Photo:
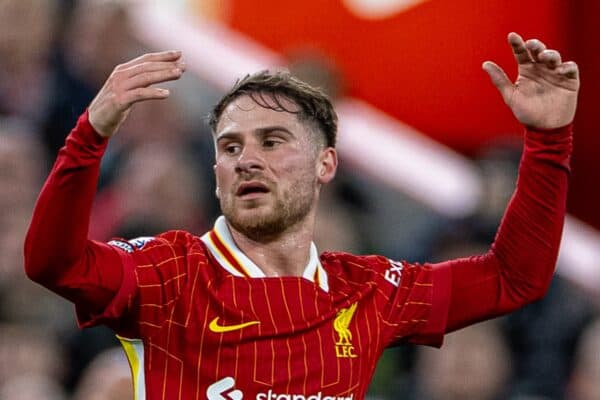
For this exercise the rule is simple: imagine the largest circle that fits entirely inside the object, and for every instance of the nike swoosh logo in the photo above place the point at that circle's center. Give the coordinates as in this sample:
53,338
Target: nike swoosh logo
215,327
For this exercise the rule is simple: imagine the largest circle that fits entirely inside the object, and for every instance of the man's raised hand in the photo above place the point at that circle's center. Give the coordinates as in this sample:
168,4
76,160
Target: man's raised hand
130,83
544,96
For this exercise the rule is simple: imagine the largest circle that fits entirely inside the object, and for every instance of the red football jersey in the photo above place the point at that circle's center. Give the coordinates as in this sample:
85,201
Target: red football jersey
207,322
199,320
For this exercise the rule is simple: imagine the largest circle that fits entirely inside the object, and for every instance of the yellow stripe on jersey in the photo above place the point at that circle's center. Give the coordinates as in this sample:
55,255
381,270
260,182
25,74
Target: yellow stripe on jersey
222,247
134,349
215,242
239,265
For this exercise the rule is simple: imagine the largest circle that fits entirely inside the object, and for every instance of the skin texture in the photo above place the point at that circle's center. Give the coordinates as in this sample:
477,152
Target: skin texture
130,83
274,151
544,95
259,146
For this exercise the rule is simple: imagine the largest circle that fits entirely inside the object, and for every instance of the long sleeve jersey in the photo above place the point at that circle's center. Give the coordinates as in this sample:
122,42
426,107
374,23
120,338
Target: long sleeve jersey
198,319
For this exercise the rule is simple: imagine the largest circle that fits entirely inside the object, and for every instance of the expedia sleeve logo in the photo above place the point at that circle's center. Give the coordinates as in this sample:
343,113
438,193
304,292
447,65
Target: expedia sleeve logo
394,273
343,346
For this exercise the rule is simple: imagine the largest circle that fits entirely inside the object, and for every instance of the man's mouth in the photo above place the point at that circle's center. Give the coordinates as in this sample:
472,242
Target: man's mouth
251,189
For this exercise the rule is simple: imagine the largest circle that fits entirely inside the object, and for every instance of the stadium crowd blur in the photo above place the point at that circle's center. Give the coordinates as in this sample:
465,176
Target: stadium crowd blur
54,55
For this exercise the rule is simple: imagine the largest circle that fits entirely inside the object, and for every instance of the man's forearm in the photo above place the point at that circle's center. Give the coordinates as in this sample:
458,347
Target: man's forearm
532,226
520,265
56,242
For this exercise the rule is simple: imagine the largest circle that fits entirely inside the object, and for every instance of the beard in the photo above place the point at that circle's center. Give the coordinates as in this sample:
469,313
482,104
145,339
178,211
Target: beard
287,210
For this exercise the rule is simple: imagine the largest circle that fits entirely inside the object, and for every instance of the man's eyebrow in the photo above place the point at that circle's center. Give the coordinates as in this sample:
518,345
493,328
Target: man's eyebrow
258,131
227,135
269,129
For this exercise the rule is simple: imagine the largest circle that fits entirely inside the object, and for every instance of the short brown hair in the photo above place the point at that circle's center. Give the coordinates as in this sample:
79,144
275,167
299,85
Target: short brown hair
315,105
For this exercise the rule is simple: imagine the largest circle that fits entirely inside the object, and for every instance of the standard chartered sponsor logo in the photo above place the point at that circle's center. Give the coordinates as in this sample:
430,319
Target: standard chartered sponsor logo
319,396
224,390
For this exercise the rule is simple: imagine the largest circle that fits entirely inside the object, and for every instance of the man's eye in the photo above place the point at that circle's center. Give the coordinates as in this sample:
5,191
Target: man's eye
271,142
232,148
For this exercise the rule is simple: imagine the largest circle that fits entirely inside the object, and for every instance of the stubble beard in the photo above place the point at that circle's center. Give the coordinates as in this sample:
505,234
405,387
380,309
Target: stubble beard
291,208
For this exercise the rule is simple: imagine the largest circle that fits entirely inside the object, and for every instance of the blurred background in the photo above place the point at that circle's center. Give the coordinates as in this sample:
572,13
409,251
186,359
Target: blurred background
429,157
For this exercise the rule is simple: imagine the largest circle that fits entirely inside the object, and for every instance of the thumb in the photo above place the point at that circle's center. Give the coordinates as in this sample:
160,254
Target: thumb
499,79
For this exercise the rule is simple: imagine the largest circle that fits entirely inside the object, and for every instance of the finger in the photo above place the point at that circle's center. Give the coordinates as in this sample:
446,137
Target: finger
152,66
519,50
142,94
170,55
551,58
150,78
499,79
535,47
568,69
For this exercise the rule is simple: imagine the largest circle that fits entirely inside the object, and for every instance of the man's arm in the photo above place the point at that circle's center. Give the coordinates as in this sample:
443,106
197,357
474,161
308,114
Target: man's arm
520,264
58,254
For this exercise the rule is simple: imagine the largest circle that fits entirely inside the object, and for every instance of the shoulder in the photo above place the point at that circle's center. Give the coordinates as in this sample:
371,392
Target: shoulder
359,262
365,268
377,269
351,262
166,256
171,241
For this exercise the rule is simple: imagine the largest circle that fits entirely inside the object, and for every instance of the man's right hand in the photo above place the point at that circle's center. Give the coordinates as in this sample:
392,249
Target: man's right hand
130,83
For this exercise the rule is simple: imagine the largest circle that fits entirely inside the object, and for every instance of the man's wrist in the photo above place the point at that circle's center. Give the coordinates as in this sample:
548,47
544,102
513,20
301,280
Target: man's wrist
85,136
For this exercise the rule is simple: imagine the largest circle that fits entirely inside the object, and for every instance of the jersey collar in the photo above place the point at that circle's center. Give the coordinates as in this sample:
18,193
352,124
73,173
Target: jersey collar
222,247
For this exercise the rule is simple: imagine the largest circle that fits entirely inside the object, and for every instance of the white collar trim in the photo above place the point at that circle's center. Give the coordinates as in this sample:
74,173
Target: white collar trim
221,245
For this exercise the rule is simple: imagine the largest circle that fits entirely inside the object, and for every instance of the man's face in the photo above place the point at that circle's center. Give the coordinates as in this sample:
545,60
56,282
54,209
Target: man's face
268,167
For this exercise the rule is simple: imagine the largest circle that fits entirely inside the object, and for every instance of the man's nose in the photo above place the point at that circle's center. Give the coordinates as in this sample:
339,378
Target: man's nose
250,159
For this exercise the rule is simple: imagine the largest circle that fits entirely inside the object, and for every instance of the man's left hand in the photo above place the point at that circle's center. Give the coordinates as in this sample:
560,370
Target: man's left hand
544,96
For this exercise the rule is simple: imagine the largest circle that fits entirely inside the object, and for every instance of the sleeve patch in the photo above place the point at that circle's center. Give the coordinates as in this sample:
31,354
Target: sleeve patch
394,273
122,245
140,242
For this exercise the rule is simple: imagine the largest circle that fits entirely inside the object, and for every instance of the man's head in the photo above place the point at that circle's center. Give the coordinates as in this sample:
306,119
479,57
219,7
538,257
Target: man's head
274,139
313,106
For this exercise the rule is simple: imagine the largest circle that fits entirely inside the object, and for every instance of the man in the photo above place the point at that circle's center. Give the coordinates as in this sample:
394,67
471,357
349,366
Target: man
249,310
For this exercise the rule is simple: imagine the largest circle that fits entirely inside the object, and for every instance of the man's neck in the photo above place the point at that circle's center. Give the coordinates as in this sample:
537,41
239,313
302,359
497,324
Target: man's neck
285,255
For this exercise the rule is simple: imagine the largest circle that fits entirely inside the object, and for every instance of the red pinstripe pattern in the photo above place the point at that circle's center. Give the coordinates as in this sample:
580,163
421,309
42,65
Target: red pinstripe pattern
293,348
167,290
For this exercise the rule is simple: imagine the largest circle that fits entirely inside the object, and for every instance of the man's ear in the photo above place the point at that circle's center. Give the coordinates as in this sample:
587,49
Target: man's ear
326,165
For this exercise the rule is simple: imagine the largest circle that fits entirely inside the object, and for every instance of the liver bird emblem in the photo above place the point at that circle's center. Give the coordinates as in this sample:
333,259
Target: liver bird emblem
341,323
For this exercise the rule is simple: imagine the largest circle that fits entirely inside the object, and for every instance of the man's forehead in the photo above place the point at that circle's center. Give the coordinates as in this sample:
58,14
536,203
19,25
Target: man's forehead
260,109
